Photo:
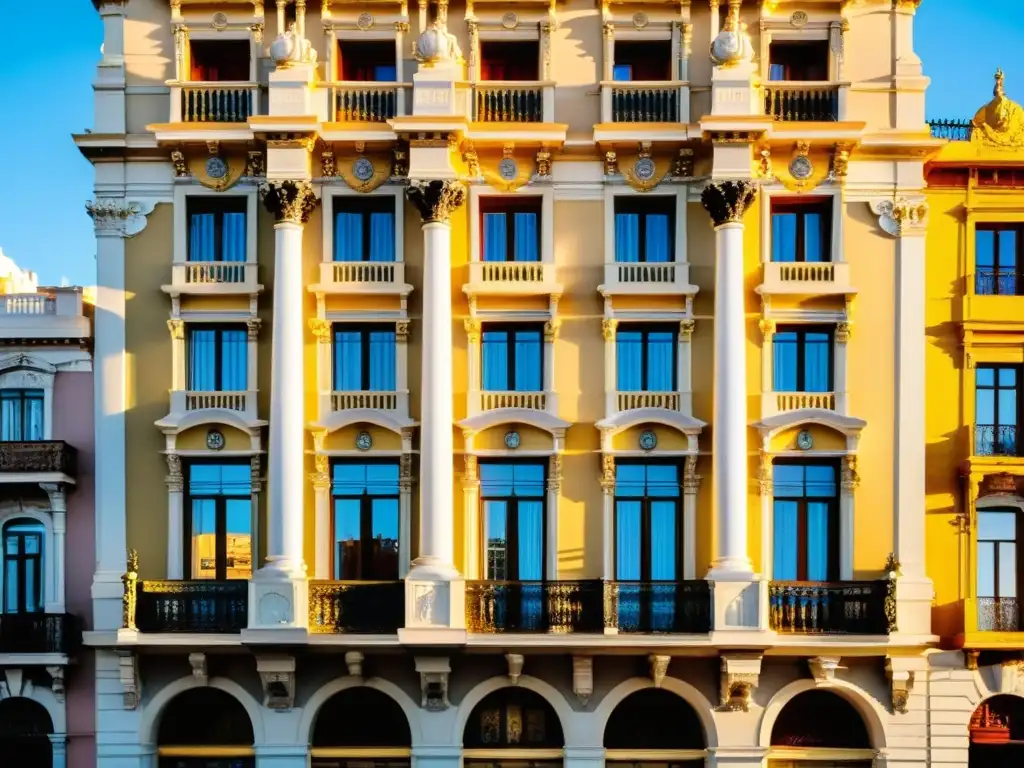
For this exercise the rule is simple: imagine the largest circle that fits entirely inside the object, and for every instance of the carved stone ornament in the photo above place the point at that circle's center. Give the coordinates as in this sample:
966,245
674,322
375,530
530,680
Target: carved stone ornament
543,163
118,217
433,672
321,329
327,167
1000,123
659,668
611,163
728,201
354,663
128,676
57,682
199,669
902,682
583,678
175,479
289,49
682,168
289,201
515,667
823,668
741,674
436,200
277,676
255,168
178,161
555,473
608,326
608,473
898,218
999,483
971,660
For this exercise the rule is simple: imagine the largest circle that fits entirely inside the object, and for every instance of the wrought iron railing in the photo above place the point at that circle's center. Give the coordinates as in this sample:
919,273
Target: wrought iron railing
217,102
38,456
534,606
508,103
840,607
652,607
998,614
361,103
356,607
953,130
39,633
991,282
996,440
192,606
632,104
802,102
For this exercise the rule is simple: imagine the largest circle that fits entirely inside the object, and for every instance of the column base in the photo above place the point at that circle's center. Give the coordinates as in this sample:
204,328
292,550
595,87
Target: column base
731,569
278,600
107,600
739,605
435,605
914,596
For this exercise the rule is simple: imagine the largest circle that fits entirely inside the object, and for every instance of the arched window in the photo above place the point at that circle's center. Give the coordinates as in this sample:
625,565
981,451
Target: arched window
23,566
997,733
513,721
361,728
205,728
658,723
818,722
25,726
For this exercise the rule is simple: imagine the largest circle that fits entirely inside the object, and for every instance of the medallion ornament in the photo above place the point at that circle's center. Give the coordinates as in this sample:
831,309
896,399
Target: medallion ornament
291,201
436,200
728,201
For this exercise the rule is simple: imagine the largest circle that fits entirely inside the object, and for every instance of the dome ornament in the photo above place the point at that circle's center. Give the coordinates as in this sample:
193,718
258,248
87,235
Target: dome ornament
1000,123
290,48
732,46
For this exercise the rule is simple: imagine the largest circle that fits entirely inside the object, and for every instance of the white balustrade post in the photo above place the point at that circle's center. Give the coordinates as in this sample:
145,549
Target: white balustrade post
175,517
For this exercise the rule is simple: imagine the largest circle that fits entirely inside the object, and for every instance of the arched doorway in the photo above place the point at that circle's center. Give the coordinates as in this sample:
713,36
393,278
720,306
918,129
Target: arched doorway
513,728
658,725
997,733
820,729
25,728
205,728
361,728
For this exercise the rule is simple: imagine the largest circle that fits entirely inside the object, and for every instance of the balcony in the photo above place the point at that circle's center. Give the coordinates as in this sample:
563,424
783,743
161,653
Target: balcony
213,277
192,606
186,401
51,633
366,277
951,130
364,102
214,102
55,313
511,278
396,403
40,457
774,403
806,278
998,614
494,401
682,607
513,101
356,607
996,440
992,296
646,278
841,607
630,401
641,102
991,623
804,101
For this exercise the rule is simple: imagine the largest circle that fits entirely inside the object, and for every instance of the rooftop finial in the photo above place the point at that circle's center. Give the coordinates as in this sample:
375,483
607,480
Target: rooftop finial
1000,77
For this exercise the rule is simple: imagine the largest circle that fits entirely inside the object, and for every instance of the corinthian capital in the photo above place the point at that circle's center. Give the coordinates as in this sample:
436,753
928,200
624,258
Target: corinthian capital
117,217
436,200
727,201
291,201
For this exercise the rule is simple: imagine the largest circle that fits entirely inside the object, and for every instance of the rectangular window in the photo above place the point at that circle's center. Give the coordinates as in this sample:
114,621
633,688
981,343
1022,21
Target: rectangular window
512,497
798,61
802,359
510,61
366,520
21,414
645,358
219,60
364,358
512,358
647,530
647,61
997,260
218,359
806,527
996,409
219,522
511,229
216,228
998,579
644,229
364,228
367,61
23,566
801,230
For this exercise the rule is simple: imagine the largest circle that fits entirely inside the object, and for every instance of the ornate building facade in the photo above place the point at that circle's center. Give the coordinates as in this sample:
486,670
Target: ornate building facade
510,381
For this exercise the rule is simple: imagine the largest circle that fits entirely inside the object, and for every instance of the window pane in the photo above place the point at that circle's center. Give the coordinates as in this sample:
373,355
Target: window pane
531,541
622,73
527,238
627,237
202,360
1007,569
239,538
384,535
1007,248
233,366
34,416
783,237
11,582
784,534
820,480
985,377
788,480
528,361
627,540
1007,407
495,237
657,243
817,362
220,480
382,361
347,539
382,236
661,361
813,247
630,479
204,539
1007,377
494,361
817,541
382,479
496,480
986,570
497,539
663,541
348,479
997,525
348,236
202,235
662,480
233,238
528,479
985,406
348,360
985,248
784,361
628,360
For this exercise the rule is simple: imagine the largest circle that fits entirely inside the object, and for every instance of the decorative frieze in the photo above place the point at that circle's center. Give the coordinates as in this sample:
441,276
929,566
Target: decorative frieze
117,217
659,668
583,678
175,478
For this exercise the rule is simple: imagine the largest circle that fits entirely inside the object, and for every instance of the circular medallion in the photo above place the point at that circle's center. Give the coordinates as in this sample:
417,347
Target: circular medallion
801,167
216,168
362,169
363,441
799,19
365,20
648,440
214,440
508,169
509,20
220,21
640,20
804,440
511,440
643,169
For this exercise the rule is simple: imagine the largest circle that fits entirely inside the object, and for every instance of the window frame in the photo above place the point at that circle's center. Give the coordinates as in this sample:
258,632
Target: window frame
996,272
24,560
646,328
364,329
1016,541
509,206
218,328
365,206
394,193
512,539
23,398
545,226
510,352
365,516
801,207
220,521
218,206
644,207
184,193
802,330
995,388
645,520
835,536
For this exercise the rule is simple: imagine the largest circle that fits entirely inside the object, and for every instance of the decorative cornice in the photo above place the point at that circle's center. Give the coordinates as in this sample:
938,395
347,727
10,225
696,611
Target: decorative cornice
436,200
289,201
727,201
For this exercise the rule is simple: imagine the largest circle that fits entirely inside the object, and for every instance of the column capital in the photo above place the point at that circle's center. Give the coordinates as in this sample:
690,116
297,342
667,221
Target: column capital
608,474
436,200
727,201
555,472
57,496
175,478
608,326
116,217
289,201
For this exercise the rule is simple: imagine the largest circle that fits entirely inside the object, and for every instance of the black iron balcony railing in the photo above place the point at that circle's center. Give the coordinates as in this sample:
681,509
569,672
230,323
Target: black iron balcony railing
998,614
366,104
192,606
953,130
645,105
678,607
802,102
216,103
992,282
996,440
356,607
39,633
839,607
507,103
38,456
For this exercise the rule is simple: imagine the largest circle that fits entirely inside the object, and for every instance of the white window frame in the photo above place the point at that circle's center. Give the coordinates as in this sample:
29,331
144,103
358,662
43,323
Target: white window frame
782,31
333,191
19,371
196,33
611,192
776,191
51,570
182,194
547,218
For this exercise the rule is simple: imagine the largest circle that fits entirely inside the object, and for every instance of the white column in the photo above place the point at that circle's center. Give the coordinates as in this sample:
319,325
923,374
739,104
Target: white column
608,515
842,337
321,480
608,327
55,588
177,328
727,201
175,517
554,490
252,371
551,392
850,481
766,485
323,332
609,50
402,365
405,507
471,505
59,749
691,484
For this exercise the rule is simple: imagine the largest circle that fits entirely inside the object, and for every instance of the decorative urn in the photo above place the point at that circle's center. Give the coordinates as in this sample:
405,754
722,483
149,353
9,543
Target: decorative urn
432,44
283,49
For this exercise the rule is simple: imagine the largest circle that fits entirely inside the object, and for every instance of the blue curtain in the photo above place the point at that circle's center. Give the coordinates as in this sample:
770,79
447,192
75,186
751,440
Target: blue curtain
817,541
348,361
233,361
627,540
663,541
784,237
202,360
21,414
658,245
526,237
784,361
531,540
817,362
382,361
813,250
627,237
494,361
528,361
348,237
382,237
495,237
661,361
628,360
784,535
202,245
233,239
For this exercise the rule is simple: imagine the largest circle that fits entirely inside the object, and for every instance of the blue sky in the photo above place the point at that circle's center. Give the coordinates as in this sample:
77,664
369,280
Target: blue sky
43,225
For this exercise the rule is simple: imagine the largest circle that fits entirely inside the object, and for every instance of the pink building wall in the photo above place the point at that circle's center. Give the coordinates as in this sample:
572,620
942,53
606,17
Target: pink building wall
73,423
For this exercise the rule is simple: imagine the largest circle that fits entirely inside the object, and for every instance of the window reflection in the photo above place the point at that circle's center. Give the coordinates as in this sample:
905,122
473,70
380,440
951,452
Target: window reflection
366,520
512,495
806,529
220,521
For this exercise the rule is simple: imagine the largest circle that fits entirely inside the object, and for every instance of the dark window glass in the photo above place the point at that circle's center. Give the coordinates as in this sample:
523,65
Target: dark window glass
364,228
513,61
645,358
512,497
219,61
997,259
218,359
216,229
513,718
364,358
801,231
802,359
645,229
647,61
219,523
996,409
23,566
362,61
647,531
512,358
366,520
803,61
21,414
806,531
511,229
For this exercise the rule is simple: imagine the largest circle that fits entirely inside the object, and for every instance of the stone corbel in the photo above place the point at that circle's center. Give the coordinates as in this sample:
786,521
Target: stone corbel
583,677
433,672
823,669
277,675
354,663
899,217
659,668
128,675
902,681
741,673
515,667
57,495
15,684
199,671
56,682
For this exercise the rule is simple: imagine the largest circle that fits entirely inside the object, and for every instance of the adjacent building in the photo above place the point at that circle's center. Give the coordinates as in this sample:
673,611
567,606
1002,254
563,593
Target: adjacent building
494,382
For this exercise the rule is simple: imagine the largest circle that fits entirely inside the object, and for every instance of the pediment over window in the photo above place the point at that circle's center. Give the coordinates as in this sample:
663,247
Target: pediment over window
23,362
846,428
627,419
172,425
539,419
346,418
